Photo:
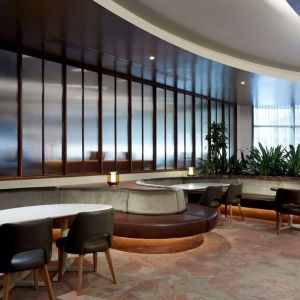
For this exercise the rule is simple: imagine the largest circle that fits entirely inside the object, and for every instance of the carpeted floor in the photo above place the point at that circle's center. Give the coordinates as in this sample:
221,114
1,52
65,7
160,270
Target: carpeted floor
242,260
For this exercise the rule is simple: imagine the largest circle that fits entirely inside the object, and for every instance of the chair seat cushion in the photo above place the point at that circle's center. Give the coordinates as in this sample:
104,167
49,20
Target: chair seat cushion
292,209
232,201
92,245
30,259
214,204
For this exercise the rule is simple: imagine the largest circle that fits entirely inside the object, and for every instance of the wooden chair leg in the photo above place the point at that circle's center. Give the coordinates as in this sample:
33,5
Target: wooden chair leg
60,263
95,261
36,278
108,258
80,270
230,212
241,211
225,210
48,282
278,221
6,286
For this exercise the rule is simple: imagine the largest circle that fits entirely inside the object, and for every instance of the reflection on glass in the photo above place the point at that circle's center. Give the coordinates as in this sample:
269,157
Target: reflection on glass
122,119
170,130
188,130
180,131
227,124
148,127
74,120
53,90
204,128
108,117
213,111
219,112
32,115
91,120
198,126
160,128
8,114
136,122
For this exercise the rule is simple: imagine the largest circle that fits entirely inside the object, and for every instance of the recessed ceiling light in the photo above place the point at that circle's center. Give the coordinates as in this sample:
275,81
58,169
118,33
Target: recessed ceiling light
243,82
151,57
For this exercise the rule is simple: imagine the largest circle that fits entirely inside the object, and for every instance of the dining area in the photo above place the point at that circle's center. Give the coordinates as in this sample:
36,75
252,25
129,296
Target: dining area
26,235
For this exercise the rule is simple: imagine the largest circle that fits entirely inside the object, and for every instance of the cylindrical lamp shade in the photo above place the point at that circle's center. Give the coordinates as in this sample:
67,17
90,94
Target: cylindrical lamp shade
191,171
113,178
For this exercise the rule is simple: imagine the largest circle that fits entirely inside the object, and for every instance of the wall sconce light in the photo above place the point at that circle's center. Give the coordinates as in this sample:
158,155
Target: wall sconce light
113,178
191,171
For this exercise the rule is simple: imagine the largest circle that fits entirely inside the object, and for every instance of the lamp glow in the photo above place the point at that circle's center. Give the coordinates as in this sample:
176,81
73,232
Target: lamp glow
191,171
113,178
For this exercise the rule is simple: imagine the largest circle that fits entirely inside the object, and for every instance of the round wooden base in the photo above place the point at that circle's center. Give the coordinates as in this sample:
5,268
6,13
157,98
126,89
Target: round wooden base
157,246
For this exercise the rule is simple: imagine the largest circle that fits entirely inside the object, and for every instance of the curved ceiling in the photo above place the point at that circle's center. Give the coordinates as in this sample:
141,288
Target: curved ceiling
257,36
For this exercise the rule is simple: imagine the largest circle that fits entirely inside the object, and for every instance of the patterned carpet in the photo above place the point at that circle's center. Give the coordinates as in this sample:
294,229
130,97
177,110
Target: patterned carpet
242,260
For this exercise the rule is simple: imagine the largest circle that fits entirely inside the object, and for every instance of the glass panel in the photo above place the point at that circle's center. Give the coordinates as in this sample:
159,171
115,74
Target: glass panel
219,112
188,130
204,128
148,127
213,112
8,114
198,126
231,129
122,119
53,91
74,120
227,124
268,136
180,131
91,120
170,130
136,122
160,128
108,117
32,115
297,136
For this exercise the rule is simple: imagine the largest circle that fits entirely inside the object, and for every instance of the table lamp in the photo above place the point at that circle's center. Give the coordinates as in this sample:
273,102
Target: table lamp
191,171
113,178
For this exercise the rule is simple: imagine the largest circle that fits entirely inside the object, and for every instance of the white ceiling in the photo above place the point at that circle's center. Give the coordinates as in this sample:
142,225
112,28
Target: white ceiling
255,35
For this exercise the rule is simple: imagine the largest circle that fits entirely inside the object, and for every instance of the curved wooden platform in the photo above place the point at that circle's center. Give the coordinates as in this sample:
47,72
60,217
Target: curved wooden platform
163,233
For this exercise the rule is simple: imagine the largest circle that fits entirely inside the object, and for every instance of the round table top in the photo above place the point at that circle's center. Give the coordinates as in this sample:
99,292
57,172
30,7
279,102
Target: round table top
53,211
198,185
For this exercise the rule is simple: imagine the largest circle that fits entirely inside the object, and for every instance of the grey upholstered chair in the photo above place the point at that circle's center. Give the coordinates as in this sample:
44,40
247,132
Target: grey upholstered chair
212,197
287,202
90,232
233,196
26,246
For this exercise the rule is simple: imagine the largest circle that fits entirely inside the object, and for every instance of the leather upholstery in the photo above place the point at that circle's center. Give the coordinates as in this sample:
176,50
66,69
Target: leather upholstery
211,197
233,194
288,201
25,245
90,232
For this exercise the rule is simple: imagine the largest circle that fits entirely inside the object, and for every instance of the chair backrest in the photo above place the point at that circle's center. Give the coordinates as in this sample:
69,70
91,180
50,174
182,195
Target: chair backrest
211,193
90,225
234,191
25,236
285,196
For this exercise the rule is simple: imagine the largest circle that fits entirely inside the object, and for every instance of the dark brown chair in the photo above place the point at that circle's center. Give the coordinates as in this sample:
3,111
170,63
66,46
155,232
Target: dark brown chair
212,197
287,202
26,246
90,232
231,197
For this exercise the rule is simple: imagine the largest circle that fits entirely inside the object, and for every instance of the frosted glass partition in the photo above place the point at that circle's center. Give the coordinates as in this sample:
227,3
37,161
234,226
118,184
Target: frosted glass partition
188,131
219,112
148,127
160,129
136,121
180,132
8,114
91,122
204,128
122,119
170,143
198,129
74,120
53,116
108,117
213,111
32,116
